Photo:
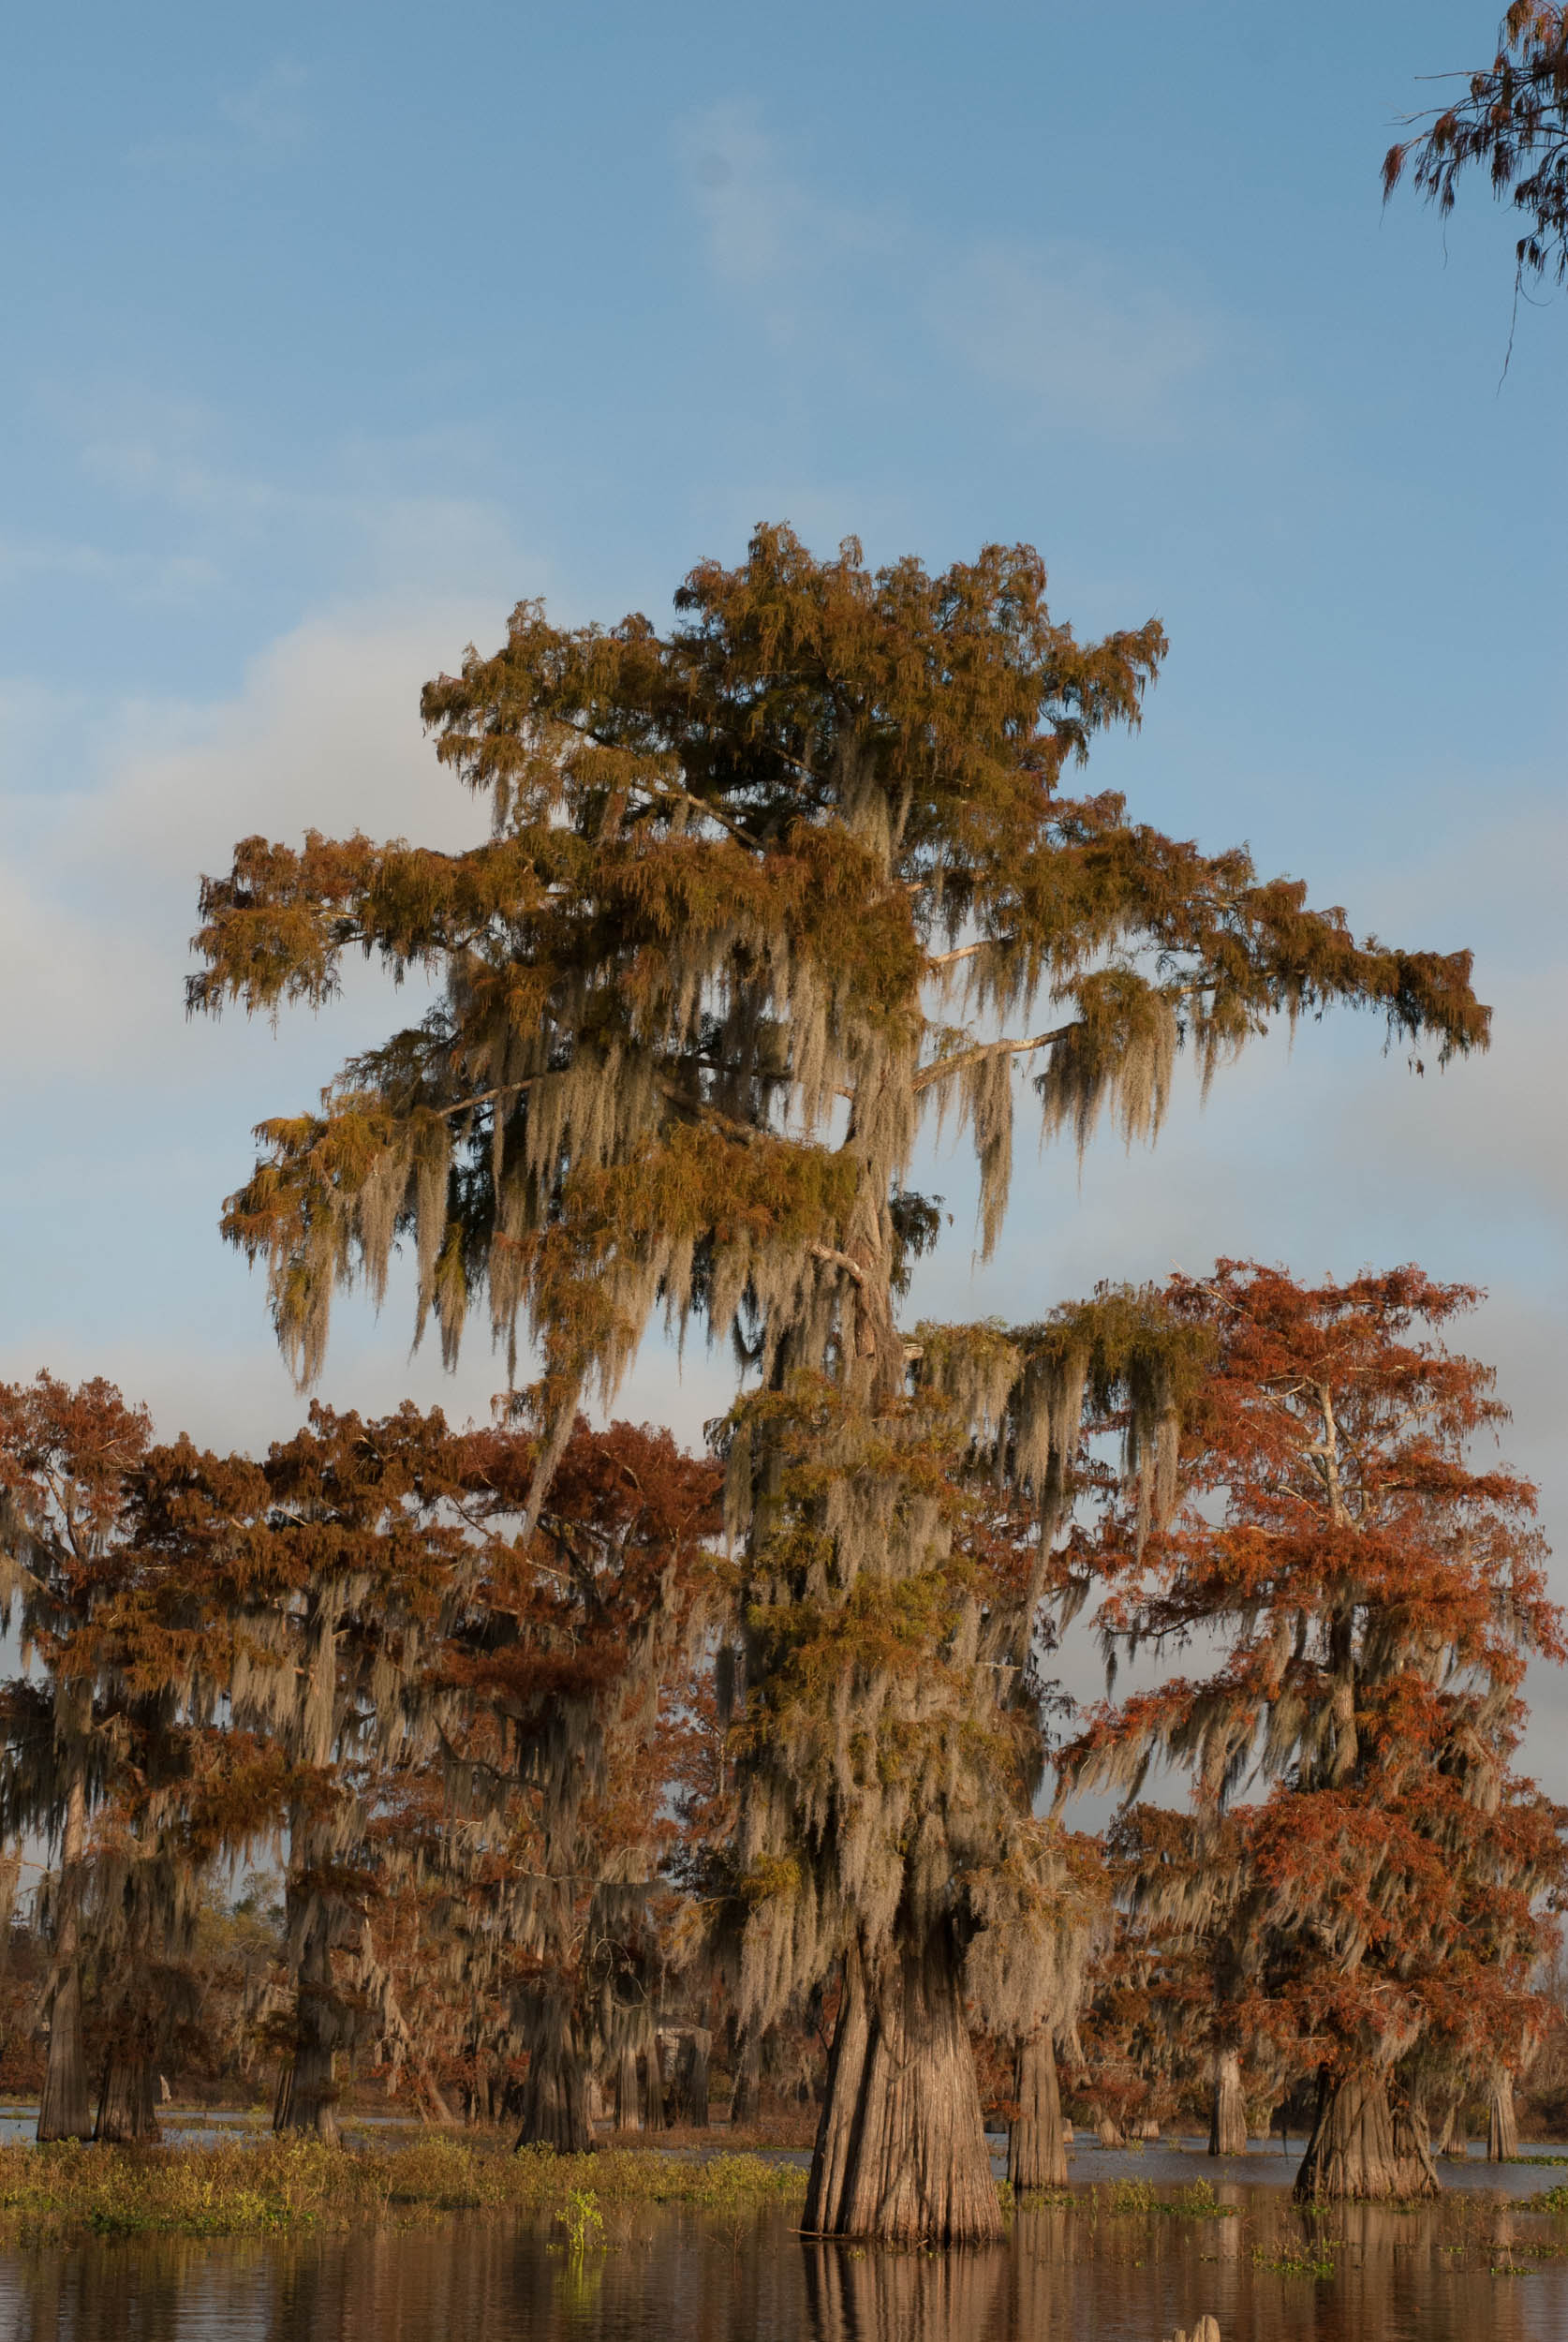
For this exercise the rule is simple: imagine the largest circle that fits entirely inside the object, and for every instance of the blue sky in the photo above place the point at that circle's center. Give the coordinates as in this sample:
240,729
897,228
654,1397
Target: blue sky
334,330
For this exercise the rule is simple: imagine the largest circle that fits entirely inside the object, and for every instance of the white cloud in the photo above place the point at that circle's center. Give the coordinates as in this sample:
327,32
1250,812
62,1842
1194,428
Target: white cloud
97,887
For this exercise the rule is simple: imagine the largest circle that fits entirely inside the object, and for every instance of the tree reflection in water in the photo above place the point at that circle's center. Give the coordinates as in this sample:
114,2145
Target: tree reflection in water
1274,2272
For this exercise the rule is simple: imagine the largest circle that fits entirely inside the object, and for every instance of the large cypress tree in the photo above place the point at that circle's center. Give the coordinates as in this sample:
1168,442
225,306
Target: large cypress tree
761,894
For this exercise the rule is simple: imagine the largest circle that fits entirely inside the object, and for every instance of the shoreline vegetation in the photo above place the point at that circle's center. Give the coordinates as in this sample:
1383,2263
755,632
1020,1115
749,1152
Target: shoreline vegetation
293,2183
294,2187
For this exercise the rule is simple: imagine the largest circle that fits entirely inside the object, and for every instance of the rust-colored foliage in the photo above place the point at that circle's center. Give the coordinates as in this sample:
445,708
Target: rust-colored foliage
322,1652
1375,1594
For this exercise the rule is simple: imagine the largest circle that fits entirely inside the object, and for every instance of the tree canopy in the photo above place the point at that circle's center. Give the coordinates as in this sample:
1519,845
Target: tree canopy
1374,1595
760,895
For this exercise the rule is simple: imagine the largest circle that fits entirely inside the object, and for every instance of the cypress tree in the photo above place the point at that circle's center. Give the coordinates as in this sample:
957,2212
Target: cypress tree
762,894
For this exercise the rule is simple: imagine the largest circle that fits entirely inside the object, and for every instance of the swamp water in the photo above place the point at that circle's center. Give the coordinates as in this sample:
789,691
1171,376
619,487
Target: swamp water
1116,2267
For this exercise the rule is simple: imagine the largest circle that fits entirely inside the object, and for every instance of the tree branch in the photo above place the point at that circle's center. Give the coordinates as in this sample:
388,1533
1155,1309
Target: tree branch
839,1260
945,1065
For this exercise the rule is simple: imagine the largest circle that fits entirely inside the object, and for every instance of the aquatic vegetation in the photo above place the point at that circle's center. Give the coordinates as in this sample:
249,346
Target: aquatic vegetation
300,2184
1293,2264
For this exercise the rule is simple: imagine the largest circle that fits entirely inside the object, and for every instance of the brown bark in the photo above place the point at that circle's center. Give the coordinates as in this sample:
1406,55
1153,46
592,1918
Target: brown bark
128,2100
690,2085
747,2083
1227,2121
901,2152
654,2116
1502,2131
64,2110
1362,2147
629,2092
308,2094
1036,2150
555,2093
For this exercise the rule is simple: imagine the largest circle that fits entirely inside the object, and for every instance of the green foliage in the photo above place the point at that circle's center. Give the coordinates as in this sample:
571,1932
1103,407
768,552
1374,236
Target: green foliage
583,2221
1126,2198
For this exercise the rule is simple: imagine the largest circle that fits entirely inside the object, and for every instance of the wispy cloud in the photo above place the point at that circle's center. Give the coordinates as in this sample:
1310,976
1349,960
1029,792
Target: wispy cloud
267,122
1059,331
1055,327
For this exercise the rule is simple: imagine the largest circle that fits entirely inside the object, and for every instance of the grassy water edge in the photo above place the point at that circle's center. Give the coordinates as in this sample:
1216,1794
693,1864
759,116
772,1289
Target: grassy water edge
298,2186
278,2185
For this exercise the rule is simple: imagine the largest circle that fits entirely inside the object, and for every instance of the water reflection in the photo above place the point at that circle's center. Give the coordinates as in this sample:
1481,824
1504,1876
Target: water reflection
1271,2274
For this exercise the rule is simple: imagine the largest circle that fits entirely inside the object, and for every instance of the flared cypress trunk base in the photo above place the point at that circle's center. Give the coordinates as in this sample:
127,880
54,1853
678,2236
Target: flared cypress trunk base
901,2153
1502,2129
1227,2124
308,2094
1363,2148
128,2100
64,2111
556,2102
1036,2149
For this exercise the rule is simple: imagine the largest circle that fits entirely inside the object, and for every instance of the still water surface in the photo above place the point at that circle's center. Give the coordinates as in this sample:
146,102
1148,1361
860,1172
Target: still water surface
1461,2270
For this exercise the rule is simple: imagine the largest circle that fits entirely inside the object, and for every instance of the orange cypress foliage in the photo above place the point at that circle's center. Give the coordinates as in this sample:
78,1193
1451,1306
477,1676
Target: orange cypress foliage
1377,1597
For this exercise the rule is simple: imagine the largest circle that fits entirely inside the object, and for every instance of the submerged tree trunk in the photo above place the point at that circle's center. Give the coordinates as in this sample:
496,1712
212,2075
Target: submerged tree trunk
901,2152
1502,2131
1363,2147
1036,2150
64,2111
555,2093
1227,2121
129,2099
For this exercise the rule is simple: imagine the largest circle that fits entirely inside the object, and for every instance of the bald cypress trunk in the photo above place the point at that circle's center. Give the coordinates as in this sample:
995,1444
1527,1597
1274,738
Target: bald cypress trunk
629,2092
64,2111
307,2098
690,2087
653,2087
555,2093
1363,2147
1036,2149
901,2152
1502,2131
127,2098
745,2085
1227,2123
